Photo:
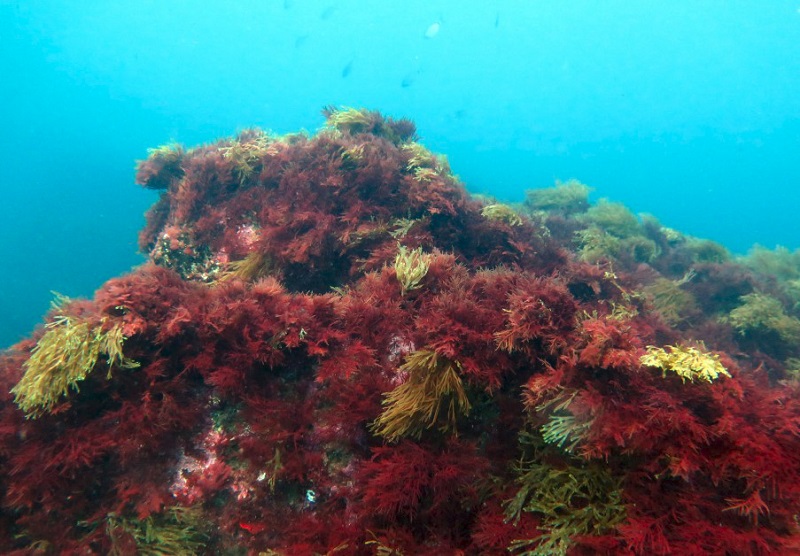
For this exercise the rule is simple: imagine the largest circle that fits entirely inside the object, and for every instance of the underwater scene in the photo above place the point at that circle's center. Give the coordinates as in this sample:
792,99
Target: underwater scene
409,278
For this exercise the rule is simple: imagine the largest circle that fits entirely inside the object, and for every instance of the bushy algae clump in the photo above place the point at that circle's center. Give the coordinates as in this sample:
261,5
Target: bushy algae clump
571,197
67,352
572,502
502,213
759,312
689,363
432,388
341,351
411,266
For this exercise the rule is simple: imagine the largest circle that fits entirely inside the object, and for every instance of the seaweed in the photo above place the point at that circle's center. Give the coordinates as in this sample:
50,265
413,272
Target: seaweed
762,313
568,198
572,501
411,267
674,304
613,218
687,362
432,384
341,351
69,350
501,213
162,167
175,531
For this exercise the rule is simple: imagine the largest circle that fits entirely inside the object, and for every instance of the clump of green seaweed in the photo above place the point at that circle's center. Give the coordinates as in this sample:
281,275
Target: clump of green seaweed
176,531
567,198
572,500
68,351
760,313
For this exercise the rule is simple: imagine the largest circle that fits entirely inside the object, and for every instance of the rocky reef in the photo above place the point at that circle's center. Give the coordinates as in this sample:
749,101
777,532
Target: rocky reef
335,349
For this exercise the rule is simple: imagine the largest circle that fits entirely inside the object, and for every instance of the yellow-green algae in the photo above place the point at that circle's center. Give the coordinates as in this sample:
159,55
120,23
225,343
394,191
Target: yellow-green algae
501,213
174,532
571,500
568,197
247,151
69,350
411,266
671,302
562,429
433,384
759,312
687,362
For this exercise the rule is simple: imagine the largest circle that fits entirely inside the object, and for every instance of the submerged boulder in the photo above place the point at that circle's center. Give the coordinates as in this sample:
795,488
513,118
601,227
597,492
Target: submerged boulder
335,349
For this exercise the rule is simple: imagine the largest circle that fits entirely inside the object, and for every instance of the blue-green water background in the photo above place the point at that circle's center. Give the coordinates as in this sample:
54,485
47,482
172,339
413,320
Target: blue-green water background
689,110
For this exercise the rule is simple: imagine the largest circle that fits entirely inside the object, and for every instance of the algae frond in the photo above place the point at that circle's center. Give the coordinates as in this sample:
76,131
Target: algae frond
670,301
562,429
411,267
418,156
69,350
596,245
501,213
349,120
760,312
352,157
425,175
401,227
707,251
246,153
352,121
254,266
613,218
164,166
173,532
433,383
379,547
793,368
571,501
779,262
423,164
687,362
567,198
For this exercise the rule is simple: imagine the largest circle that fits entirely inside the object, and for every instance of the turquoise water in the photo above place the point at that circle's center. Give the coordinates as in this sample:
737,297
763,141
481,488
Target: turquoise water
688,110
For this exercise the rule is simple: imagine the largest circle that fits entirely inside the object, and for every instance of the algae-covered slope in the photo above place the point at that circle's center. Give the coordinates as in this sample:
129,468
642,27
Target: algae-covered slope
334,349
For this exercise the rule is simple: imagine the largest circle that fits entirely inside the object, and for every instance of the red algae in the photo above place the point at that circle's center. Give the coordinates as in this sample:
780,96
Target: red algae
334,349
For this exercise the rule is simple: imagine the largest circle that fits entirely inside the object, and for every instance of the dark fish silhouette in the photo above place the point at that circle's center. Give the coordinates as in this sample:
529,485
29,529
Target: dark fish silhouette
347,69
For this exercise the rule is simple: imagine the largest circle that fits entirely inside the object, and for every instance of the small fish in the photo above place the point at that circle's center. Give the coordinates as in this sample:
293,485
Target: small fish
433,30
347,69
408,80
497,20
300,41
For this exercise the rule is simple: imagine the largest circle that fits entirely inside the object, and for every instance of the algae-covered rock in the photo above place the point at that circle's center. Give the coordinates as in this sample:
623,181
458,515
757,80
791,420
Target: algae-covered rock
339,350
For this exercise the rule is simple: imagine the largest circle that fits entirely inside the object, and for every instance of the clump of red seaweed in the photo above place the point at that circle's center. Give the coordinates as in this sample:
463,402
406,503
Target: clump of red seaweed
334,349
